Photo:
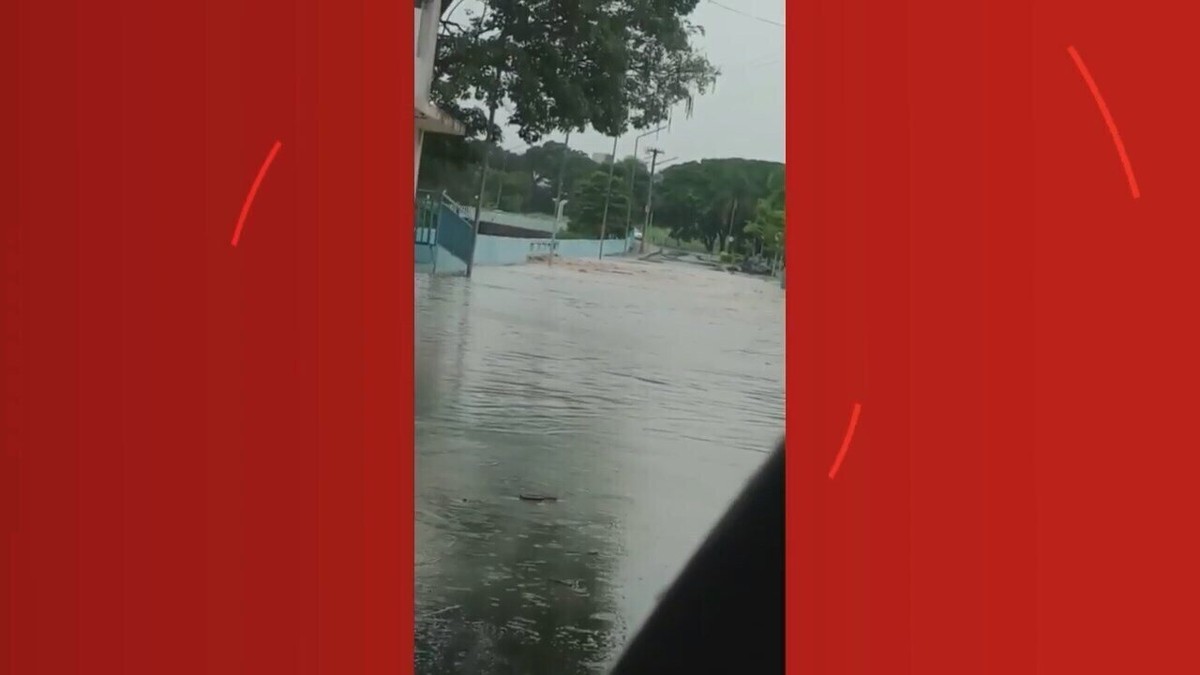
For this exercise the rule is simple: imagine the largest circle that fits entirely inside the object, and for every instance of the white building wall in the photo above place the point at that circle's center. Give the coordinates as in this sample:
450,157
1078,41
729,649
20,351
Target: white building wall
426,116
425,28
426,21
418,140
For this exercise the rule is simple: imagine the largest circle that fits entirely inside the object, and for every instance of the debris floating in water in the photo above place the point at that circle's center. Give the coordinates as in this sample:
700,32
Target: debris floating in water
537,498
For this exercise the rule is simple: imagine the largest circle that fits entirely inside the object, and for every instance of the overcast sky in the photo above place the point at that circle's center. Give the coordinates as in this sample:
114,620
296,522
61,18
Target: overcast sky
744,115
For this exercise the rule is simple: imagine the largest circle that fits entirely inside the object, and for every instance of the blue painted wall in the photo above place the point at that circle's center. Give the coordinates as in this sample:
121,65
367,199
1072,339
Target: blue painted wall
423,254
590,248
493,251
448,263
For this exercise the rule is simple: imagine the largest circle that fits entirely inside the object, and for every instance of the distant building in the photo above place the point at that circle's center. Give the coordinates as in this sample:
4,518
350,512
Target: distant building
601,157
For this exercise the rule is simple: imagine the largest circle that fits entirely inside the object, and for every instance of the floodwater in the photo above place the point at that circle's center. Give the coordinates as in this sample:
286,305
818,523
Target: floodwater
640,396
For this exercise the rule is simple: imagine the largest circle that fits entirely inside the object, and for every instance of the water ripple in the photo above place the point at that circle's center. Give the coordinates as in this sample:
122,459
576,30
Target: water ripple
639,400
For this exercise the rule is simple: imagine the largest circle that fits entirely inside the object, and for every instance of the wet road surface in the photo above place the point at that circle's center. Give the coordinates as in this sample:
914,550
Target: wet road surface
638,396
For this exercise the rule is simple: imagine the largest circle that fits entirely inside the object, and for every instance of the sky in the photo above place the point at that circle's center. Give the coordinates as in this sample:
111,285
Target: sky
743,116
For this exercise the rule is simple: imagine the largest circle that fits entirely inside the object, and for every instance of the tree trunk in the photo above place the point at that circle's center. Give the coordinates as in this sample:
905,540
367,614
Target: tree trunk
728,237
487,155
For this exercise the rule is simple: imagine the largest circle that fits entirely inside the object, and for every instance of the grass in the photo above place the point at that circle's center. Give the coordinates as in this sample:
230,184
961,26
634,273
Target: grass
660,236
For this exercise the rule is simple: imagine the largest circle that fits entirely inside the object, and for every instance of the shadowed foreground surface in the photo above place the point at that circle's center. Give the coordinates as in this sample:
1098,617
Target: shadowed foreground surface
639,396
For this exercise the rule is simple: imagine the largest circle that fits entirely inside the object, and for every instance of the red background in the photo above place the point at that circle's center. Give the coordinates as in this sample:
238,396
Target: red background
206,462
967,261
207,449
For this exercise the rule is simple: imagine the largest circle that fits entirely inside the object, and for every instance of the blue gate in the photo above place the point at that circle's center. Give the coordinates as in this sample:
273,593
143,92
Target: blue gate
441,224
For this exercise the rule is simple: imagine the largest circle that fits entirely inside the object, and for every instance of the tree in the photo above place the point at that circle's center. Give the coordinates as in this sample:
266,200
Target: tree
543,163
525,181
568,65
586,208
684,204
712,200
635,176
767,227
706,201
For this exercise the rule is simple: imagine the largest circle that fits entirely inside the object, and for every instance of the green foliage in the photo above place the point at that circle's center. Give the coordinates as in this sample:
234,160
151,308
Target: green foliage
569,65
662,237
767,226
586,207
559,66
528,182
712,200
544,163
696,204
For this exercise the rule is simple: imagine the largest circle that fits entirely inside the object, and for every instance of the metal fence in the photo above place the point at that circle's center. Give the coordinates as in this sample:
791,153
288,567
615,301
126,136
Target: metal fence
454,233
426,218
440,222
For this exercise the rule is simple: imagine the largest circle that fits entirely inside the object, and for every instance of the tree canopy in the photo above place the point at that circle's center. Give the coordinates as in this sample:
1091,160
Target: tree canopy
586,207
713,200
568,65
767,224
517,182
707,201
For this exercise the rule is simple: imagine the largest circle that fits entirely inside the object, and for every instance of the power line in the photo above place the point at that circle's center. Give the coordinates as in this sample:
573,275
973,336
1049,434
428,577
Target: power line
747,15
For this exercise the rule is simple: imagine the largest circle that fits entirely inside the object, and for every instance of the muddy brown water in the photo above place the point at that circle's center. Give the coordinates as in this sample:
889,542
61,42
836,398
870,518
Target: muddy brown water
631,399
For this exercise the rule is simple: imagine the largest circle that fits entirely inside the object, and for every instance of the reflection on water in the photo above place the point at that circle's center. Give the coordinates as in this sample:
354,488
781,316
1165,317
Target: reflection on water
638,396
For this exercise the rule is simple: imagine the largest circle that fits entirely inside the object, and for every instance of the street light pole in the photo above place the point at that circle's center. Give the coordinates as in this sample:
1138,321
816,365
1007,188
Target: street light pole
632,177
612,165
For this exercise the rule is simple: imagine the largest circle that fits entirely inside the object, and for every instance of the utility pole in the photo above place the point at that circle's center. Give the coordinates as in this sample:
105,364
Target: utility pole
650,222
612,165
654,153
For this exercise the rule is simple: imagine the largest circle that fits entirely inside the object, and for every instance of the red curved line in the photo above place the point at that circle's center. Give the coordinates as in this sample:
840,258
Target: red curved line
837,463
1108,119
262,171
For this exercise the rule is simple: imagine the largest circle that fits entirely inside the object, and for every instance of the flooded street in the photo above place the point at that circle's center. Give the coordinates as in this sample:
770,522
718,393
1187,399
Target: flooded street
635,397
